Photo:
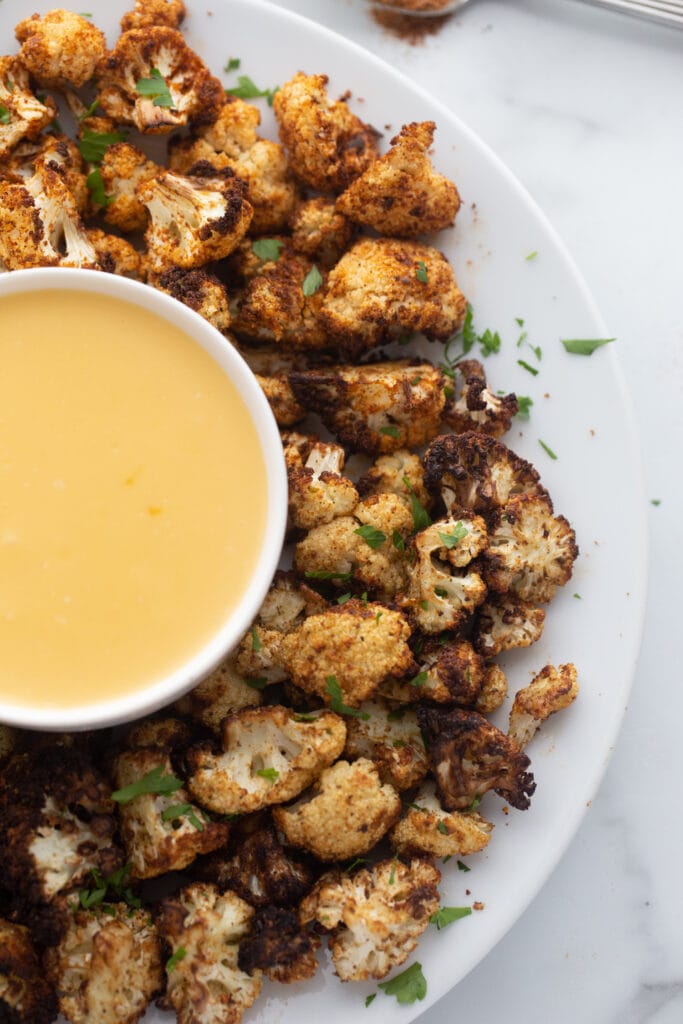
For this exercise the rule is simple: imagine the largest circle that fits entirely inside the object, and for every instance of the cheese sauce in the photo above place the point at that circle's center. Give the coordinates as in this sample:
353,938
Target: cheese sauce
132,498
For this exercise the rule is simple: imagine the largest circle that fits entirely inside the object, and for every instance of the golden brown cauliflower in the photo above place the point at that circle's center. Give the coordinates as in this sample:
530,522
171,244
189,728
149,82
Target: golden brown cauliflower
398,473
476,407
375,916
450,672
281,399
318,491
401,195
494,691
154,12
123,168
197,289
268,755
346,812
107,966
204,929
551,690
377,408
390,737
319,231
427,830
503,622
171,733
192,220
26,115
152,79
383,287
26,997
221,694
115,255
161,831
59,153
60,48
328,146
279,946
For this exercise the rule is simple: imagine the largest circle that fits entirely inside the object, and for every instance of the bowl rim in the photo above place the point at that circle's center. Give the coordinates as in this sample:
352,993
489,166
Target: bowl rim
160,692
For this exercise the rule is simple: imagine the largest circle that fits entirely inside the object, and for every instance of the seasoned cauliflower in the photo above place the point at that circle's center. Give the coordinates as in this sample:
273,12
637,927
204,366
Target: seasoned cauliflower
59,153
477,407
398,473
279,946
26,115
268,755
391,738
161,831
401,195
154,12
197,289
123,168
375,916
450,672
493,692
288,602
152,79
531,552
318,492
344,815
60,48
281,399
375,408
427,830
354,646
26,997
383,287
114,254
503,622
328,146
107,966
319,231
204,983
170,733
551,690
221,694
469,756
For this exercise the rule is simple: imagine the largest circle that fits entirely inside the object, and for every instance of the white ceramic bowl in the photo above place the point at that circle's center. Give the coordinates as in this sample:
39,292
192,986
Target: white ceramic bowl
162,691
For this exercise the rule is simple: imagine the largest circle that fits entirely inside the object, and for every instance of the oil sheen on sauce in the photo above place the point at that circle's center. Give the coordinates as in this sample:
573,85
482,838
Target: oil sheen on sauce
132,498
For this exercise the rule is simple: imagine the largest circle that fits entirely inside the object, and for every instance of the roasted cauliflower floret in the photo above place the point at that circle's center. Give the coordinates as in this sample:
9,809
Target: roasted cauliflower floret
477,407
170,733
26,115
443,587
399,473
154,12
375,916
347,811
390,737
204,983
493,692
197,289
221,694
26,997
531,552
401,195
551,690
427,830
353,647
192,220
161,831
123,168
469,756
260,658
152,79
279,946
328,146
477,472
281,399
268,755
260,870
60,48
504,622
114,254
60,154
319,231
383,287
288,602
450,672
107,966
377,408
318,491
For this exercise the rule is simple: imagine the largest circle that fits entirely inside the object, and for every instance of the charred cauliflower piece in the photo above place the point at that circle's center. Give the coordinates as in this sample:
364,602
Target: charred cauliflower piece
221,694
428,830
450,672
401,195
390,737
170,733
469,756
114,254
493,692
504,622
161,831
377,408
477,407
531,552
353,645
60,154
551,690
399,473
268,755
26,115
383,287
25,995
319,231
477,472
60,48
192,220
260,870
375,916
328,146
205,929
153,80
347,811
279,946
107,967
281,399
318,492
197,289
444,588
154,12
123,168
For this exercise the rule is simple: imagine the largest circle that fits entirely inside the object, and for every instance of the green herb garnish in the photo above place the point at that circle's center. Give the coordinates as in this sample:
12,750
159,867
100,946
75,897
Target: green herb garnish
524,404
174,960
390,430
269,773
369,999
420,679
323,574
462,866
93,145
312,282
547,449
373,538
421,517
407,986
531,256
398,541
4,114
259,683
96,188
446,915
452,539
443,828
177,811
267,248
584,346
155,782
528,367
233,64
247,90
156,89
256,644
421,272
337,701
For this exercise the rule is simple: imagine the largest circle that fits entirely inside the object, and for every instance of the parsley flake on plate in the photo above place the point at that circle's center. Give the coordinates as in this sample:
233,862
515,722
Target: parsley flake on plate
584,346
408,986
446,915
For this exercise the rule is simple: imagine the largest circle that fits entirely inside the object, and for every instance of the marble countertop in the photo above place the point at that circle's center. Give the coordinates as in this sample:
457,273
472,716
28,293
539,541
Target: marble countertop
585,106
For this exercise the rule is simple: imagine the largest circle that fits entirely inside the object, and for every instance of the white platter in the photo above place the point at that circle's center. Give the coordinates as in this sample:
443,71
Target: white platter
580,410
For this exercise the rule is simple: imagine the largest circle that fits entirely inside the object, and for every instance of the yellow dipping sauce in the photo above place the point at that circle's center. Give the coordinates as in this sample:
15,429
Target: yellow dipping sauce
132,498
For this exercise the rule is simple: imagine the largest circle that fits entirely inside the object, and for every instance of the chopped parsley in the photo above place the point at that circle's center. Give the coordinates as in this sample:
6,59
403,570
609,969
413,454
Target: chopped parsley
93,145
489,342
307,716
256,644
531,256
524,404
355,864
421,517
337,701
323,574
392,873
577,596
155,782
421,272
373,538
344,598
528,367
408,986
548,449
4,114
452,539
272,774
475,803
462,866
584,346
267,248
397,715
174,960
369,999
391,430
398,541
259,683
90,111
378,616
156,88
177,811
233,64
312,282
96,188
656,502
443,828
446,915
419,680
115,884
247,90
